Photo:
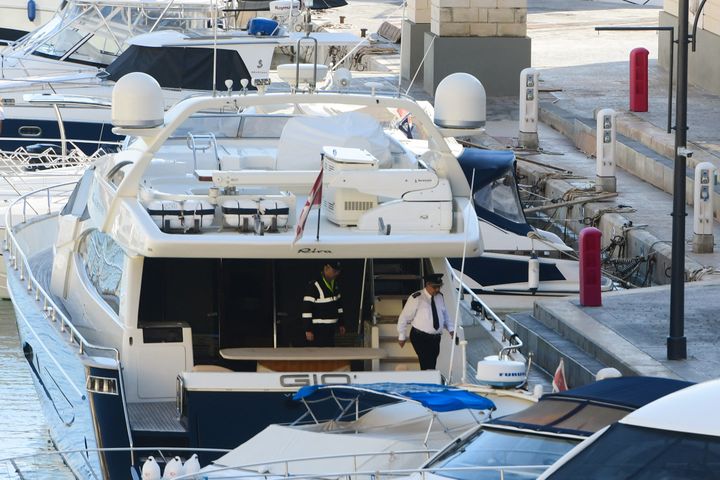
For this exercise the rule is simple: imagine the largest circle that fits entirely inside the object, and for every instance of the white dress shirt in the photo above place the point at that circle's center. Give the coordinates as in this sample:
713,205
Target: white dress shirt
418,313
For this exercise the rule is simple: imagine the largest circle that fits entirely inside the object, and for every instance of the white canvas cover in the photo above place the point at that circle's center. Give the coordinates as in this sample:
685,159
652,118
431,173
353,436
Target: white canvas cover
303,138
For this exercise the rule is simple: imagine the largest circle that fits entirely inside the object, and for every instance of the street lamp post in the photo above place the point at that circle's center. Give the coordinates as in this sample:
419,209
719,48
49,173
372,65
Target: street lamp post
676,341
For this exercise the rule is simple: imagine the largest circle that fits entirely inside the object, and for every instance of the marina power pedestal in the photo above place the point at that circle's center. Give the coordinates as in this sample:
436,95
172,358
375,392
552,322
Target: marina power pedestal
527,135
704,185
605,180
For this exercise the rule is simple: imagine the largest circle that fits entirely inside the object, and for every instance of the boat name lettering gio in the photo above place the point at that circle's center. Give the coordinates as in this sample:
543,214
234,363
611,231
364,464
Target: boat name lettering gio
300,380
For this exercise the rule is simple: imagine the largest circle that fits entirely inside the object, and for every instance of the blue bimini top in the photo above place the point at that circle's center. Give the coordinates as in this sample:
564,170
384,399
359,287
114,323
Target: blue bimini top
438,398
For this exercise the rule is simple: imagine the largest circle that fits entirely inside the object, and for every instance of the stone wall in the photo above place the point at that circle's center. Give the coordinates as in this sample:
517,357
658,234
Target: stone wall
478,18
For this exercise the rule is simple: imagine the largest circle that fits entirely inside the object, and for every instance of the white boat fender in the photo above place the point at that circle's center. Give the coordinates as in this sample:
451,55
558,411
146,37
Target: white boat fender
192,465
150,469
239,213
273,213
173,215
533,272
172,469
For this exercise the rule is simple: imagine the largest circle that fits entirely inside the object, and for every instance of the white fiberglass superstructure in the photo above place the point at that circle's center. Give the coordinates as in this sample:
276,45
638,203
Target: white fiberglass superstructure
171,280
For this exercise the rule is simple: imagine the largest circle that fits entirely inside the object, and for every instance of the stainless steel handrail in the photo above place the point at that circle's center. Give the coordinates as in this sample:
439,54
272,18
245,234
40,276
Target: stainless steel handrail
514,342
52,310
49,305
223,471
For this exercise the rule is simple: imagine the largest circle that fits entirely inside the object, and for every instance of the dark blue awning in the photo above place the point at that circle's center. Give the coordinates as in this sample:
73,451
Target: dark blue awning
439,398
631,392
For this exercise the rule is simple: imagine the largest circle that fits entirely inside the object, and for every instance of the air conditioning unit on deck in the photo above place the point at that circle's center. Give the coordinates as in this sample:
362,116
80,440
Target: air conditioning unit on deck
344,206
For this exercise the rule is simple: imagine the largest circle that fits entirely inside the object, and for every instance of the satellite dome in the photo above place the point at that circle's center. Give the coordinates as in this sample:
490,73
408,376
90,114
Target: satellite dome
137,102
460,102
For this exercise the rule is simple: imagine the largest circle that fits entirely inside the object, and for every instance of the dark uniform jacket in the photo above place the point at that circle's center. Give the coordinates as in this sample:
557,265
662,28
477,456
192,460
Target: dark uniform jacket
321,305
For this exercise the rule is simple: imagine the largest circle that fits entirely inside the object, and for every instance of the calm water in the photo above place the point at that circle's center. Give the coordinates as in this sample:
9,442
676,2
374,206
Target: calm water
22,424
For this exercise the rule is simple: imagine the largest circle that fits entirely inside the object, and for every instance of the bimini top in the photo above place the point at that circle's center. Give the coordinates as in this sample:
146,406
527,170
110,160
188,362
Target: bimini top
587,409
690,410
438,398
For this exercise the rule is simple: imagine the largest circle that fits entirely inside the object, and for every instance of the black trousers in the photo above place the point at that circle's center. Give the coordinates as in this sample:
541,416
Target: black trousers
427,348
324,335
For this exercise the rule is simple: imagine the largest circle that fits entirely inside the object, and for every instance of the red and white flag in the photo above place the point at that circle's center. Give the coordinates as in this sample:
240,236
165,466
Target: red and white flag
314,198
559,384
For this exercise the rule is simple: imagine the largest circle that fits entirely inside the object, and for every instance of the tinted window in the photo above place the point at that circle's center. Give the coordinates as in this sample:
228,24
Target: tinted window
103,260
625,452
499,448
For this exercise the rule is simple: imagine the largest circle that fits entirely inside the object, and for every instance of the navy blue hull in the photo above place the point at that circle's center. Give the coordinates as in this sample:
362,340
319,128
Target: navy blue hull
21,132
489,271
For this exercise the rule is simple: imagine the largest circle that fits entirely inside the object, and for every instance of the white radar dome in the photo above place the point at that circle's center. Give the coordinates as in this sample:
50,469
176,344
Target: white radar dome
460,102
137,102
503,373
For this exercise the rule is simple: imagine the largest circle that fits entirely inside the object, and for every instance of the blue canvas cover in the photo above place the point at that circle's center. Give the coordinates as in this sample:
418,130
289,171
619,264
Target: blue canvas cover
631,392
587,409
438,398
488,166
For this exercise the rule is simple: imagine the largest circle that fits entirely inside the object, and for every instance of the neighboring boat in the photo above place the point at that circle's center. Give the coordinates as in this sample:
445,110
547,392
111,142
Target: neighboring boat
415,421
522,445
161,304
520,263
56,83
19,17
677,436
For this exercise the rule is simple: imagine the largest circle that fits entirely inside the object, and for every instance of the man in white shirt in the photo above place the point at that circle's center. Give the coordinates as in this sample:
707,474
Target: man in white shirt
426,313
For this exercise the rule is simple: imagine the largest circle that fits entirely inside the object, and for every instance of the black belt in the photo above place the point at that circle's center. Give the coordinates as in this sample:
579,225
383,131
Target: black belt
420,332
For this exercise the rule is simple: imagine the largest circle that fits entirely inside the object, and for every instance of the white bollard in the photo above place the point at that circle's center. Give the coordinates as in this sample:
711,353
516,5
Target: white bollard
528,136
703,239
605,180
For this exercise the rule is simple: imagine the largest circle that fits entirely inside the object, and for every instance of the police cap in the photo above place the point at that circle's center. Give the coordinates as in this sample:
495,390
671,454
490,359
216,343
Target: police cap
434,279
335,264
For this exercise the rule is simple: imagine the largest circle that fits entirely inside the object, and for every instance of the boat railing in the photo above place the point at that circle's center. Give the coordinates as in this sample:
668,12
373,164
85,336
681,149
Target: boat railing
20,161
261,470
51,310
19,262
486,313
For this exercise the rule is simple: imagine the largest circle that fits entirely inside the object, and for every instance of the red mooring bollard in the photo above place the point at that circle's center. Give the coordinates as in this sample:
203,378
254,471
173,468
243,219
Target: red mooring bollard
639,80
590,267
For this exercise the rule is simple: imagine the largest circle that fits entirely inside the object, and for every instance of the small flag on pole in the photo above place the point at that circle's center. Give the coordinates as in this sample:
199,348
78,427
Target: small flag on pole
559,384
314,198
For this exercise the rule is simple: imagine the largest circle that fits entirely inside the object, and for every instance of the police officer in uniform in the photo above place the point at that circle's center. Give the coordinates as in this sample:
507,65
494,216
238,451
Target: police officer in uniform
425,311
322,307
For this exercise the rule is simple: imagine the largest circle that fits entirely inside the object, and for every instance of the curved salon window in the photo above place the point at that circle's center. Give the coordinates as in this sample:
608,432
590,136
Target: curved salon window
103,260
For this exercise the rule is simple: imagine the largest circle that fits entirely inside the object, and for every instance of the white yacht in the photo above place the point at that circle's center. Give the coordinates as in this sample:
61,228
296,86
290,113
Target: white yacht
160,305
417,422
520,263
677,436
55,84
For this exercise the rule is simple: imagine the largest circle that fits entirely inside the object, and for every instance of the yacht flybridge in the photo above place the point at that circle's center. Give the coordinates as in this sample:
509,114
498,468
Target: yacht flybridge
161,304
55,84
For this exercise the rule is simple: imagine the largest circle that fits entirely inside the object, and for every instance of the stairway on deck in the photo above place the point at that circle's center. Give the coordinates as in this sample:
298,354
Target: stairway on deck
393,282
548,347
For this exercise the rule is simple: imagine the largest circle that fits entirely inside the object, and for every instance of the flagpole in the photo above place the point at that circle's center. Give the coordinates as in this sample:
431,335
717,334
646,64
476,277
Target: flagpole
317,234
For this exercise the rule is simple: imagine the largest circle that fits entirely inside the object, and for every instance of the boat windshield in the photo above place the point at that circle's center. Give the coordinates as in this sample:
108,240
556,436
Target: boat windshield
500,448
501,197
626,451
96,34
